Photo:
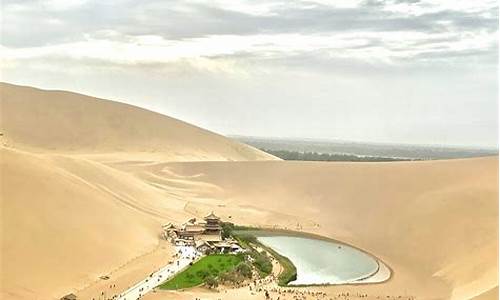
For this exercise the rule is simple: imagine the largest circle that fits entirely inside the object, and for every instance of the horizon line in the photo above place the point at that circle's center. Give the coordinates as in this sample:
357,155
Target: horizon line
318,139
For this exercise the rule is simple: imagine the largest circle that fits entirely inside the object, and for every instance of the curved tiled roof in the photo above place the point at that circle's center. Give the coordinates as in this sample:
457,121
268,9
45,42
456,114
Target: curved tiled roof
212,216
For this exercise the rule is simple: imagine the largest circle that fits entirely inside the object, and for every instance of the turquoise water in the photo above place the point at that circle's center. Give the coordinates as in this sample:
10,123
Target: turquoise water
322,262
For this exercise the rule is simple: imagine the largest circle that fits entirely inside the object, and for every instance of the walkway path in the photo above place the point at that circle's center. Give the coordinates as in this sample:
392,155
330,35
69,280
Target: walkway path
185,255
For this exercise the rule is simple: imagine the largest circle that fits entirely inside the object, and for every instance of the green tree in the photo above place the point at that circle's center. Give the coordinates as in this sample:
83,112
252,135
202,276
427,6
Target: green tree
244,269
211,282
227,229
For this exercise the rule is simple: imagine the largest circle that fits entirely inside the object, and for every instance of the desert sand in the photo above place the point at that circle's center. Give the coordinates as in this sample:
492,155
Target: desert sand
70,123
87,183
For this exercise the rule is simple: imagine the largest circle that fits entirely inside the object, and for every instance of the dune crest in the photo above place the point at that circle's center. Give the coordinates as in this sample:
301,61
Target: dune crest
65,122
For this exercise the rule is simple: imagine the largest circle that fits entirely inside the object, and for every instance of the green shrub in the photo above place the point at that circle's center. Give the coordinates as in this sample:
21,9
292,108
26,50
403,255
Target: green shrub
247,238
202,274
227,229
226,277
264,265
244,269
211,282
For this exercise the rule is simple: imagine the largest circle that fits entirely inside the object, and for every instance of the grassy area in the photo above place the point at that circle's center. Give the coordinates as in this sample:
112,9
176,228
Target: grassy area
206,268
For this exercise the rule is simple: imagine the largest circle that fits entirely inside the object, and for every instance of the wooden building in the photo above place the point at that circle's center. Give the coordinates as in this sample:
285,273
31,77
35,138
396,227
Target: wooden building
208,230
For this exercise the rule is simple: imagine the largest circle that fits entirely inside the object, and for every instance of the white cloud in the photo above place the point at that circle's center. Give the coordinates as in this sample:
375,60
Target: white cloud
424,69
336,3
115,48
420,7
62,4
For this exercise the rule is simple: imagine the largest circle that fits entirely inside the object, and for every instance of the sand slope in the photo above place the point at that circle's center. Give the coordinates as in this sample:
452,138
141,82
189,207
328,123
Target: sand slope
65,122
62,229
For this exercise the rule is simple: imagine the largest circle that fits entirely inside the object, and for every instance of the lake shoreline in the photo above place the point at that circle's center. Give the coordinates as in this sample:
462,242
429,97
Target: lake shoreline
383,272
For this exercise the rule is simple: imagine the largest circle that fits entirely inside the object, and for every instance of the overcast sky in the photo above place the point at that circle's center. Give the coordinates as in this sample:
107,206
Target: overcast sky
404,71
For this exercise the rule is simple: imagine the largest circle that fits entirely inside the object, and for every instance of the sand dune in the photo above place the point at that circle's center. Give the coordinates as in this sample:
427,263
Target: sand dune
491,294
61,231
87,183
65,122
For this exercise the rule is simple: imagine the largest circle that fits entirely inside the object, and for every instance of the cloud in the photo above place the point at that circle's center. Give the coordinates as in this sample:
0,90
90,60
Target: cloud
179,20
387,70
128,31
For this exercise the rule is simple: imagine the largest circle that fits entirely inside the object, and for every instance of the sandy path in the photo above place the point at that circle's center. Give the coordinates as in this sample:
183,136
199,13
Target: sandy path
184,256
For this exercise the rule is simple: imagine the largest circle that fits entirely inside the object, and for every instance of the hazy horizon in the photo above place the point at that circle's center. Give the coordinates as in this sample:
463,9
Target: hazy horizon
333,140
418,72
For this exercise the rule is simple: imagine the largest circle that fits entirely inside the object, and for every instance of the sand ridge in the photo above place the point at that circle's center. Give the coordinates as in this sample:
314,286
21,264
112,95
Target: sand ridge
71,123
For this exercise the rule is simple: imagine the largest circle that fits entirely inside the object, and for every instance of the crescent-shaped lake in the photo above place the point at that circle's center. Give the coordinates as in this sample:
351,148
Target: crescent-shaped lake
322,262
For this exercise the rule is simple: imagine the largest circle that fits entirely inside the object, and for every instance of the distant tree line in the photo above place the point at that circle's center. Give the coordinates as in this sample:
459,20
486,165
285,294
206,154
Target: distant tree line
315,156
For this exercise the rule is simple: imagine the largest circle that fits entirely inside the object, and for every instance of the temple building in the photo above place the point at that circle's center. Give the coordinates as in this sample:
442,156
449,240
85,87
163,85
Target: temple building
212,224
213,228
208,230
204,235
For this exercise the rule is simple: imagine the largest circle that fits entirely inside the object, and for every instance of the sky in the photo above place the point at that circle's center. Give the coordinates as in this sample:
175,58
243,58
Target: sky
395,71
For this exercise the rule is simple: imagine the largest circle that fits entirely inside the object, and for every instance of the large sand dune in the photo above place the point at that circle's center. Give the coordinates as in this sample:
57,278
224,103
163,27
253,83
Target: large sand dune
65,122
86,184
